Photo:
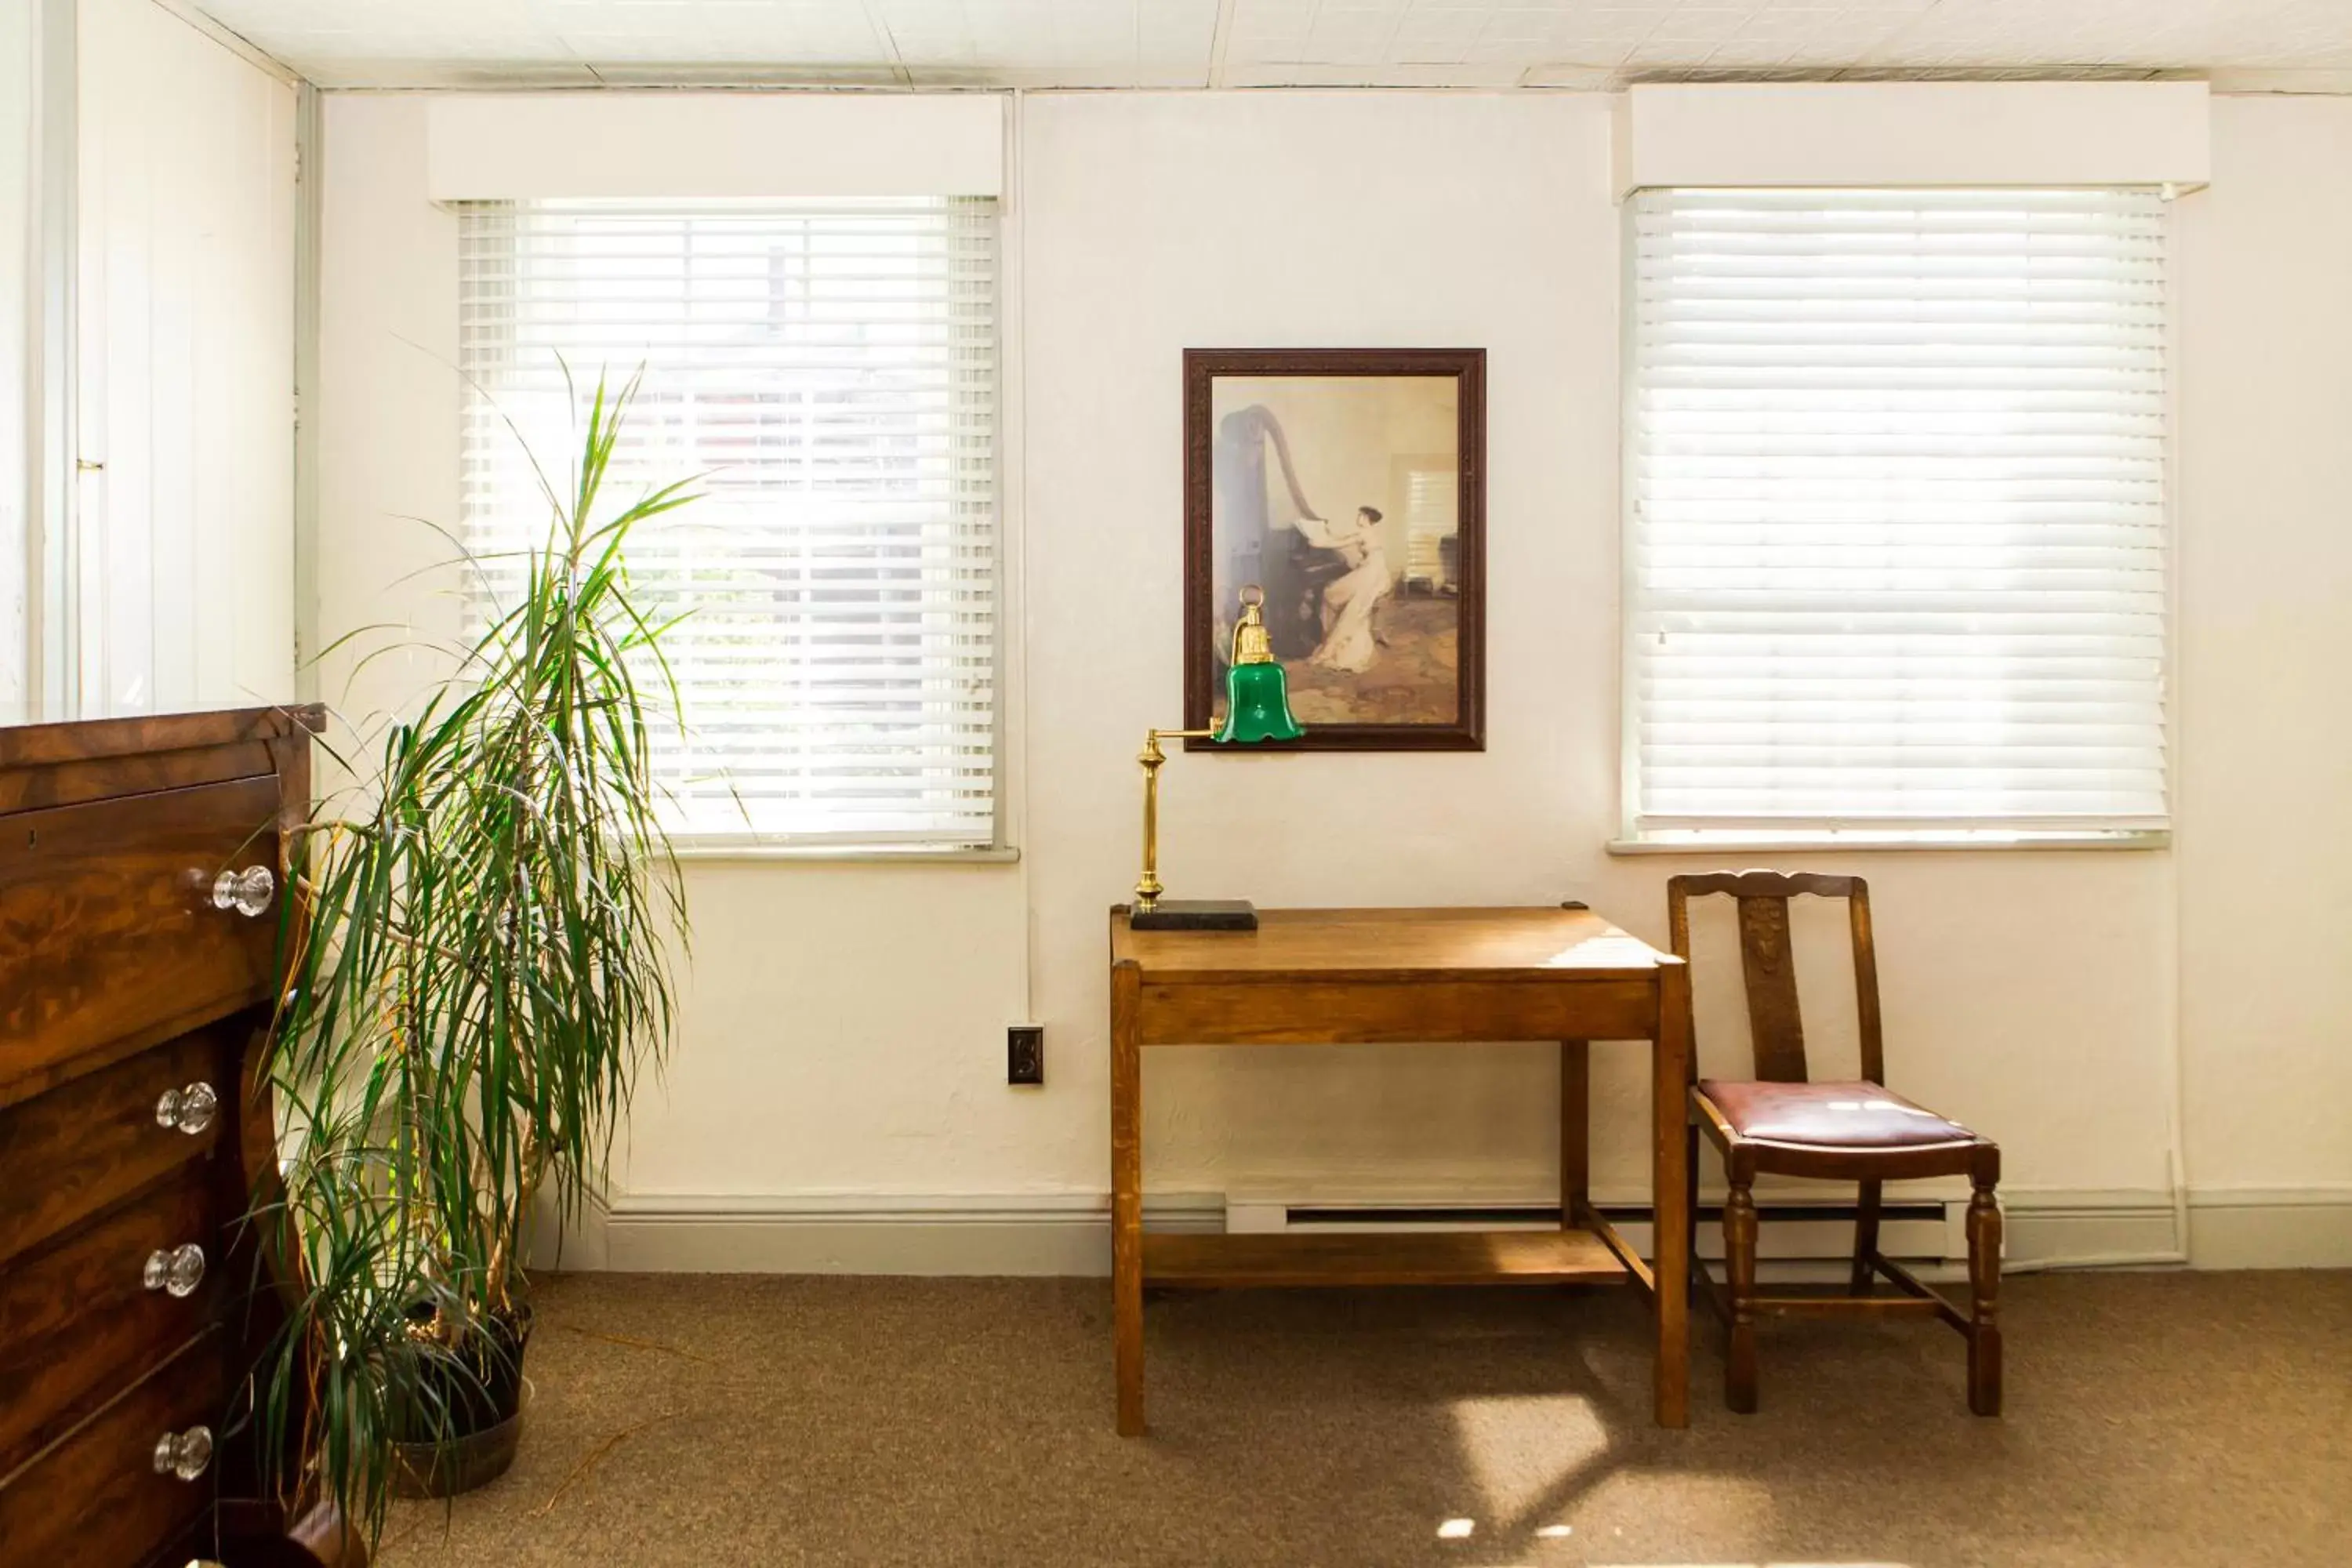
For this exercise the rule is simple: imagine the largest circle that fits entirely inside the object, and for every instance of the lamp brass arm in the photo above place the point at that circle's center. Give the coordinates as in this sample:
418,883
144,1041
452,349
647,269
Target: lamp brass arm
1148,887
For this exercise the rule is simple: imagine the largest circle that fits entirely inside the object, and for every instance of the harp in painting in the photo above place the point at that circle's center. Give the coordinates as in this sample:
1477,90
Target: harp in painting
1259,497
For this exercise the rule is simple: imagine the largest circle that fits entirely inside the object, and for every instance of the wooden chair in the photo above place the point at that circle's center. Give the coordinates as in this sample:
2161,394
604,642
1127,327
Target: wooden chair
1782,1124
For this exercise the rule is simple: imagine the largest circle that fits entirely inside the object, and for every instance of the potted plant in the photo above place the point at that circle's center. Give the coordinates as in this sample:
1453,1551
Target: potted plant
478,967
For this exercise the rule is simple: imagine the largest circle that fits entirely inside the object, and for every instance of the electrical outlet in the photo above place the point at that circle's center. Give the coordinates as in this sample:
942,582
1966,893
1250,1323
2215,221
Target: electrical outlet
1024,1053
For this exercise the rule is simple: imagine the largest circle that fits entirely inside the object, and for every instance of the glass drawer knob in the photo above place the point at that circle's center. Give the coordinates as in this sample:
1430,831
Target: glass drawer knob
248,892
191,1110
185,1454
178,1269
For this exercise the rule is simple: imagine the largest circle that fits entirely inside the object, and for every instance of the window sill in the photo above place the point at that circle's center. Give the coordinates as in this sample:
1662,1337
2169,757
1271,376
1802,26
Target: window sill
721,849
1848,843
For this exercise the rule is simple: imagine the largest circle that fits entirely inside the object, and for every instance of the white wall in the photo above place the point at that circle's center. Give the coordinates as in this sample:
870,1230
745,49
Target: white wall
388,410
1154,224
184,535
2264,264
843,1031
794,966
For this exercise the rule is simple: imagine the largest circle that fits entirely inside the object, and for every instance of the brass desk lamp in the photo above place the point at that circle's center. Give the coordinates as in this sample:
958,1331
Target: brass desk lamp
1257,708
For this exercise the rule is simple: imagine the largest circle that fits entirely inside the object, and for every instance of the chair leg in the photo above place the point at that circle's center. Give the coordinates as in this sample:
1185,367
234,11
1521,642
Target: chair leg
1739,1270
1690,1186
1984,1284
1866,1238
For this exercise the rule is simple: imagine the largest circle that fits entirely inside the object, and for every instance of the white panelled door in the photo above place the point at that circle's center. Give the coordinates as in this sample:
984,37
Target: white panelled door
18,55
183,557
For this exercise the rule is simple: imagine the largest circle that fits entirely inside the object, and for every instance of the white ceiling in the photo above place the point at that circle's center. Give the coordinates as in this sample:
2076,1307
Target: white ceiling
1252,43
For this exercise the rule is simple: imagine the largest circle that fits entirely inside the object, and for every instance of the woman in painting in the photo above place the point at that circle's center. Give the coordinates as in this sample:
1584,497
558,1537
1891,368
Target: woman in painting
1348,603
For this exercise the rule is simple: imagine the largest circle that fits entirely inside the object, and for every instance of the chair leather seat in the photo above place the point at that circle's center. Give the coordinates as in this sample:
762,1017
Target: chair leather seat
1829,1115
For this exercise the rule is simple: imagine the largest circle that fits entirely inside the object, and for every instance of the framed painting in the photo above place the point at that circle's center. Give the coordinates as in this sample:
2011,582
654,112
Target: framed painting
1348,485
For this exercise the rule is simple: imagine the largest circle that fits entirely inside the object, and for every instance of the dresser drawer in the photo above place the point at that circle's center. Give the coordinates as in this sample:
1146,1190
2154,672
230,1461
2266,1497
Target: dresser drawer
87,1145
109,930
98,1498
101,1304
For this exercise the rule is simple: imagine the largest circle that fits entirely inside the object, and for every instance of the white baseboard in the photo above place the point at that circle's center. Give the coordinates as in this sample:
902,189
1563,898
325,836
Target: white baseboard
2052,1227
1068,1234
2271,1228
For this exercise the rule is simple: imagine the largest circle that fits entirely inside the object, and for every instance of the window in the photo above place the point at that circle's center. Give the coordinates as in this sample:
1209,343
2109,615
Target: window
1895,515
1433,492
829,370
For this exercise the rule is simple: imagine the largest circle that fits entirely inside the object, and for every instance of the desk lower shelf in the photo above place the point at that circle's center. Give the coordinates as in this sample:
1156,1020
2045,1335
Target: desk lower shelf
1354,1258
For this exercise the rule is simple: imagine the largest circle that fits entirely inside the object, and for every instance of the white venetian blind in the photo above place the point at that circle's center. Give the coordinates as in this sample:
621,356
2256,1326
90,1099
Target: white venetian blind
1431,498
1897,519
830,369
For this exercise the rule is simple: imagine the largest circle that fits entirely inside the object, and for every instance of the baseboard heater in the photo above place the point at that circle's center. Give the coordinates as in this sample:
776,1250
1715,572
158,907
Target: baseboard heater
1615,1214
1926,1230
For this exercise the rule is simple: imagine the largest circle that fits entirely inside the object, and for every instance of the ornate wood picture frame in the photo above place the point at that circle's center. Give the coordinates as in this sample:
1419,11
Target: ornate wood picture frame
1350,485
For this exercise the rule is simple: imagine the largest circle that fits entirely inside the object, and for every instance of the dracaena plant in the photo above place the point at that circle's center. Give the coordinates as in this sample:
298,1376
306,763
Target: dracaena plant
477,969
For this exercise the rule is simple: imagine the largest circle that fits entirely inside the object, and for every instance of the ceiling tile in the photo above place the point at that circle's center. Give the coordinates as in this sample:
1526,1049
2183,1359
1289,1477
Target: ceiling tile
1171,42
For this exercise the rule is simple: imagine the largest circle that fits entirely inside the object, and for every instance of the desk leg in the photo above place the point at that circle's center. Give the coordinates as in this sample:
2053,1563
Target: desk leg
1126,1191
1670,1193
1575,1132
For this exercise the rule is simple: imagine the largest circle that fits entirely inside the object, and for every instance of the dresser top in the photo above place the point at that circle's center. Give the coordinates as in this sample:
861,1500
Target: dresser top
97,739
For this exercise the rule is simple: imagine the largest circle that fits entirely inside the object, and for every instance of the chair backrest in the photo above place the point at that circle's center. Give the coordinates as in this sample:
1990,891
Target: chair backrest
1769,968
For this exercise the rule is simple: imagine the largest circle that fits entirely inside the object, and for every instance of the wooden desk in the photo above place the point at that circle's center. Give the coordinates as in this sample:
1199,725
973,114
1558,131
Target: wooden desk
1369,976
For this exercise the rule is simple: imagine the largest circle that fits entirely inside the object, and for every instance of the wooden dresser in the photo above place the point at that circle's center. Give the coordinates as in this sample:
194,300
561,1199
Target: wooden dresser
141,868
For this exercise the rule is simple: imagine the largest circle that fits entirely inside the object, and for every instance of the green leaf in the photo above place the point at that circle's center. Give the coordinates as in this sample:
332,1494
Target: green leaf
477,970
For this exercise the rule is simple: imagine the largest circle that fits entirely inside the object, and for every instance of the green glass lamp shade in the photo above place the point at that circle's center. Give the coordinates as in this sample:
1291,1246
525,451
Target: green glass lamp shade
1258,705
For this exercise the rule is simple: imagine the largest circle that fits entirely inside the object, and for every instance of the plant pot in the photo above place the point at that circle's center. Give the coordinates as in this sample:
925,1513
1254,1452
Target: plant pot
493,1408
444,1470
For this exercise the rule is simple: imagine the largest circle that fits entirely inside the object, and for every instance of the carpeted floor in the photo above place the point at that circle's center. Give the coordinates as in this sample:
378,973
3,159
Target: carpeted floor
2153,1419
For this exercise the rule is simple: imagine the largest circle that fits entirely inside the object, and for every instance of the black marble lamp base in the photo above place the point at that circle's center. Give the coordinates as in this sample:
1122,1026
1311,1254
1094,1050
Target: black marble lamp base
1195,914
